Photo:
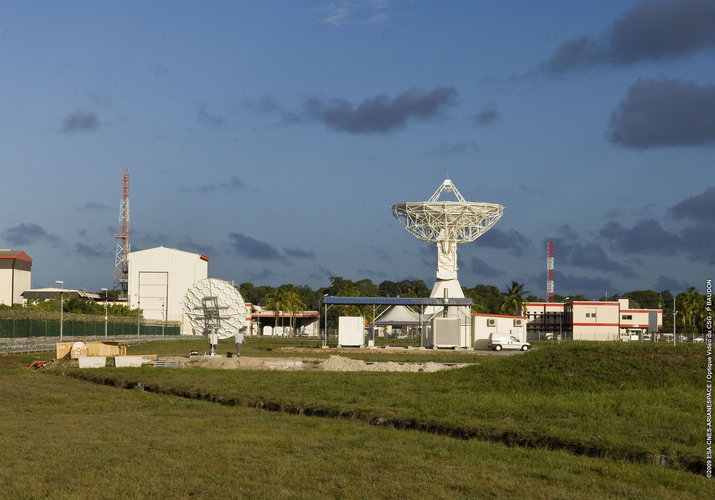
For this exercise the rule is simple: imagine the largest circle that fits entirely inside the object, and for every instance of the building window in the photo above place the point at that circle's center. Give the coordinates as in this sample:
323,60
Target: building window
626,316
590,315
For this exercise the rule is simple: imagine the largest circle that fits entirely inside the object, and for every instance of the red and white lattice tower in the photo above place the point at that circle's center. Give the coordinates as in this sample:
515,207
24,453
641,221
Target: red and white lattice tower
121,275
550,271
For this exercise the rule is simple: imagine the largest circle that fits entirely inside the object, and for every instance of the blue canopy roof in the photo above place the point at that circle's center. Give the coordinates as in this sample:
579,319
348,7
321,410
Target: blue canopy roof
397,301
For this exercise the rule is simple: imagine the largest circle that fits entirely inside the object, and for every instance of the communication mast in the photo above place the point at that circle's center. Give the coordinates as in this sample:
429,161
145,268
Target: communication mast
121,275
550,271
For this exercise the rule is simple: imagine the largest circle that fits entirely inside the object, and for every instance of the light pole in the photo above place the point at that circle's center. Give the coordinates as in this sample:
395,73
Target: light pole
561,326
325,337
105,311
62,305
138,317
675,333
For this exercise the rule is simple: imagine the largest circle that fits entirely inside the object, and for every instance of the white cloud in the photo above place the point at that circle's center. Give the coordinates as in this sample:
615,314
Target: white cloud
356,12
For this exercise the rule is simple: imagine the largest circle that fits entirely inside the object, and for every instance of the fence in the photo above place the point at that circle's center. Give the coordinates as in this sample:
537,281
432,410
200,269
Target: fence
20,328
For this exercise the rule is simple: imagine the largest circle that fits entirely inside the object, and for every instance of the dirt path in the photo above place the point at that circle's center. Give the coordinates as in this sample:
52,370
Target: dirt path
333,363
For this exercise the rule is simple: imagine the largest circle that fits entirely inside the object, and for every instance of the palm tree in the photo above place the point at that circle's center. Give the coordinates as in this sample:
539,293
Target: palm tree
276,302
514,300
293,304
691,307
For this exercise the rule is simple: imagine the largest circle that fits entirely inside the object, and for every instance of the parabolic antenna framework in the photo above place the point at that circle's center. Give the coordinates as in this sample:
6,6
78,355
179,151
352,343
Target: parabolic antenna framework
447,224
215,306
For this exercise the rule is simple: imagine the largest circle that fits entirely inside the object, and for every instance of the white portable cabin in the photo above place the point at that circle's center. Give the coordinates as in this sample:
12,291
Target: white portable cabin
351,331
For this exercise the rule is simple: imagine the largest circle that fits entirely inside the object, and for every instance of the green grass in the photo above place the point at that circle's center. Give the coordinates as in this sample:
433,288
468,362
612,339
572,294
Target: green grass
65,438
634,404
626,401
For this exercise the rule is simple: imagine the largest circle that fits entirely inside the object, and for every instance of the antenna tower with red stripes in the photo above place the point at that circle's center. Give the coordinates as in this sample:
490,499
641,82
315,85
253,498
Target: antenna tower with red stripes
121,275
550,271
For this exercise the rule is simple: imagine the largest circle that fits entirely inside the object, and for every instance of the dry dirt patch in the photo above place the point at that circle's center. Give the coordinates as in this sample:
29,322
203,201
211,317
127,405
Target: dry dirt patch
334,363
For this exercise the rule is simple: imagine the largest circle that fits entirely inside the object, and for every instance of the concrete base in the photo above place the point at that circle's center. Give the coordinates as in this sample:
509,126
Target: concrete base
133,361
284,364
92,361
445,288
452,287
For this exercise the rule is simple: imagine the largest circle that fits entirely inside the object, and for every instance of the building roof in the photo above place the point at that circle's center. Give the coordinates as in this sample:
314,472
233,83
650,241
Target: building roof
163,248
399,315
485,315
13,254
268,313
49,293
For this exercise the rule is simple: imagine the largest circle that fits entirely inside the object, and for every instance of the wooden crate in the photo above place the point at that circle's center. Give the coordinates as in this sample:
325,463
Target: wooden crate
106,349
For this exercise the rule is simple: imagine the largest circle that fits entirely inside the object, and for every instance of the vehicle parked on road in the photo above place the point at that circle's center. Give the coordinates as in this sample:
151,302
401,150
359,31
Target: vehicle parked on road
499,341
699,339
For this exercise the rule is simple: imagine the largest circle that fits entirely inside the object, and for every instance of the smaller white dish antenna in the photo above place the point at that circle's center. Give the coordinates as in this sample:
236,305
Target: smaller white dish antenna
215,307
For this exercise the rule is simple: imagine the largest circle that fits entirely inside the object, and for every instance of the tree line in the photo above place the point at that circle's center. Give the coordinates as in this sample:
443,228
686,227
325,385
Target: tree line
488,299
74,305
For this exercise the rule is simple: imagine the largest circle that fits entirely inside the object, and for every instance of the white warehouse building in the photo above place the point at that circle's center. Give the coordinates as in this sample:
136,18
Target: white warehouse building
158,281
15,276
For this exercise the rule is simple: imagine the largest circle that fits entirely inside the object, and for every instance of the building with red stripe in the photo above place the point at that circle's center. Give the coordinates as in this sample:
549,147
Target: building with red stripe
591,320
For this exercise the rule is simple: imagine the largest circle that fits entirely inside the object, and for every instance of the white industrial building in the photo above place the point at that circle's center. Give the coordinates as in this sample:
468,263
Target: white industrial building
158,281
484,325
15,276
590,320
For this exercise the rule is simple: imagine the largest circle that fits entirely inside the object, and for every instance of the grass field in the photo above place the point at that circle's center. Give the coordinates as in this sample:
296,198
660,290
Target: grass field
562,421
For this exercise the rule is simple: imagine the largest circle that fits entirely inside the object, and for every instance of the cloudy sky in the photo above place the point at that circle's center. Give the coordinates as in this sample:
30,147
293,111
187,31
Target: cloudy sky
274,136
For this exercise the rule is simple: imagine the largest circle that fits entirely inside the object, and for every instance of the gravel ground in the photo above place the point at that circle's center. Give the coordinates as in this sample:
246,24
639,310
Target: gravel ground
334,363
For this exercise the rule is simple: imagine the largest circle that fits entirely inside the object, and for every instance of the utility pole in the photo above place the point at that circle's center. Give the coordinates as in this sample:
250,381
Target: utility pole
675,334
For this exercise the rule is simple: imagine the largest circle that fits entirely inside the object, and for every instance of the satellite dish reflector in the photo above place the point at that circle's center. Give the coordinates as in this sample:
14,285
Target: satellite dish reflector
215,306
447,224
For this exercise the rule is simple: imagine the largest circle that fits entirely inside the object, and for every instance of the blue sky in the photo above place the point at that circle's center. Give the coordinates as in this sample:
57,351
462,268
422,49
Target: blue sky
274,137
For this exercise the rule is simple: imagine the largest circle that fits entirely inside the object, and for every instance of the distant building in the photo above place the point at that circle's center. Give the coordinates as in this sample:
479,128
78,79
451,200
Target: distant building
15,276
590,320
263,322
51,293
546,318
158,280
594,320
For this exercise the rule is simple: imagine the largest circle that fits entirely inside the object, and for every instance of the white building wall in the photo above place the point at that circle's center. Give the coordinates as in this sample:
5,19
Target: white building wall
6,285
15,278
596,320
484,325
638,318
158,281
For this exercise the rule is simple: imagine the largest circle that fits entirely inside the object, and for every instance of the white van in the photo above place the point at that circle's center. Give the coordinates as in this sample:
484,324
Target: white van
499,341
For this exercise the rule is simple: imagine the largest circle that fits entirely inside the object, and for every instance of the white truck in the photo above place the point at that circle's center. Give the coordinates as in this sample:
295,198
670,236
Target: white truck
499,341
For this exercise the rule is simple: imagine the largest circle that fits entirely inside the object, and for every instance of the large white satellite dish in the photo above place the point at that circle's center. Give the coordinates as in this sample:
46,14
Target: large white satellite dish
447,224
215,306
